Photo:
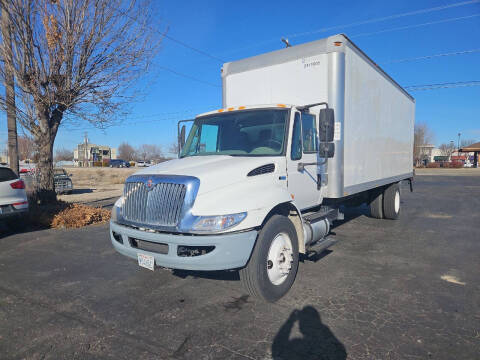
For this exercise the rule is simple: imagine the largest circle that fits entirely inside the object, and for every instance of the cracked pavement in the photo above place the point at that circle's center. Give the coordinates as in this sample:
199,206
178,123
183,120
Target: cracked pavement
406,289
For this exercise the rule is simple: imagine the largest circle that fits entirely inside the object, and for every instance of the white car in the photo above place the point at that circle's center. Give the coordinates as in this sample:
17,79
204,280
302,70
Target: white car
143,164
13,198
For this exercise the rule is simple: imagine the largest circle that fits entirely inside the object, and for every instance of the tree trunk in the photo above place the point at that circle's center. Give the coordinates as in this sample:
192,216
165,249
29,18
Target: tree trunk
45,182
10,93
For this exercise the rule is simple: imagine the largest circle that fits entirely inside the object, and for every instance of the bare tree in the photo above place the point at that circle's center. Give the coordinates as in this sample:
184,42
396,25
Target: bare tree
63,154
126,152
148,152
447,149
173,148
9,83
422,136
26,148
467,142
75,60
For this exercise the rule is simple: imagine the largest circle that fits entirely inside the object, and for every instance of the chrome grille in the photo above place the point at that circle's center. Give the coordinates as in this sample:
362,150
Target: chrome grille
160,205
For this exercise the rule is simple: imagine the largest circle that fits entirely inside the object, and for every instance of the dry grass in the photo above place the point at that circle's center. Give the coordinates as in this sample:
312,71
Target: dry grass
99,177
78,215
62,215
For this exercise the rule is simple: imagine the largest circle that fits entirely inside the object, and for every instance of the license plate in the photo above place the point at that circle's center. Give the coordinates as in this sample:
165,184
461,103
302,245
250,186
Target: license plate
146,261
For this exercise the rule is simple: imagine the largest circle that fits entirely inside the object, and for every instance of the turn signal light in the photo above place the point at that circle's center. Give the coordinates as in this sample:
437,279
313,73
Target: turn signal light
18,184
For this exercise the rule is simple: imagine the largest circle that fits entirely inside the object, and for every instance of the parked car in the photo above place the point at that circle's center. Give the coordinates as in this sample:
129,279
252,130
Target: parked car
143,164
118,163
13,198
63,182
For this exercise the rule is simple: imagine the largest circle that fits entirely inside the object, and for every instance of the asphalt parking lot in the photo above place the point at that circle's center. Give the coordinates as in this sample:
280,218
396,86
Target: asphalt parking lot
406,289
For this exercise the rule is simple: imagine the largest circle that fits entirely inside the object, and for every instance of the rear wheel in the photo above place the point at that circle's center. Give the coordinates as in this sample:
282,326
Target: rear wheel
391,202
376,204
273,266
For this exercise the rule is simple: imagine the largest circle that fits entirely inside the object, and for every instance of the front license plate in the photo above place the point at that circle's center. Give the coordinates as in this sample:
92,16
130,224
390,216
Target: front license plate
146,261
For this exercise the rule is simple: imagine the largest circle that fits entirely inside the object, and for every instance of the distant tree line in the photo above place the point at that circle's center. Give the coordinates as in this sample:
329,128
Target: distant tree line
145,152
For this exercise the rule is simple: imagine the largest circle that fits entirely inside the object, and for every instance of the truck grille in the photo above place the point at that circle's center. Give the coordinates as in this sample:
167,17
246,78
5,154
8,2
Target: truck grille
159,205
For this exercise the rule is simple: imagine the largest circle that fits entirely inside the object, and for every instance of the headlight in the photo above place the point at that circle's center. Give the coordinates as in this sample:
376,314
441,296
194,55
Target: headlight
116,209
218,223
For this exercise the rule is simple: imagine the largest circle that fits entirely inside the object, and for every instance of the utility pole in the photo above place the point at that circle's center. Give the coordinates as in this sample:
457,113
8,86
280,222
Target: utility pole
9,90
458,147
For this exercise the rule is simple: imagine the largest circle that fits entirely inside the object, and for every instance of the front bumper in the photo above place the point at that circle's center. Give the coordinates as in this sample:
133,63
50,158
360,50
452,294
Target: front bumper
231,250
63,187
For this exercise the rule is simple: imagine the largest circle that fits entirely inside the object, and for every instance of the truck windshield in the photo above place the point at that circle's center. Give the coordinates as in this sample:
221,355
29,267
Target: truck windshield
241,133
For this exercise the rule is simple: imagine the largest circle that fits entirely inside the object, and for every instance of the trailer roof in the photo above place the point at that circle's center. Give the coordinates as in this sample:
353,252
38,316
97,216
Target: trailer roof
292,53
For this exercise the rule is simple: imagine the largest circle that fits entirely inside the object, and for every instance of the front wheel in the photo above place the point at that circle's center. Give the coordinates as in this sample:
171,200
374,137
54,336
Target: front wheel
273,266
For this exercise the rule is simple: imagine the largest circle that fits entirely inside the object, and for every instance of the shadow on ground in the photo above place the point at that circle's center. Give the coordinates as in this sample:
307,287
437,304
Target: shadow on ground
81,191
317,341
228,275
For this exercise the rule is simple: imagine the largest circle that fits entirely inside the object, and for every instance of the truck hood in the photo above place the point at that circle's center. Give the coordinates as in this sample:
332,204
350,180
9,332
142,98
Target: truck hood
214,171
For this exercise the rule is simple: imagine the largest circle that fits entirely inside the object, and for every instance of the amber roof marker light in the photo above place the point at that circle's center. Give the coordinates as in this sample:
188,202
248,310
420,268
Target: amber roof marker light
337,43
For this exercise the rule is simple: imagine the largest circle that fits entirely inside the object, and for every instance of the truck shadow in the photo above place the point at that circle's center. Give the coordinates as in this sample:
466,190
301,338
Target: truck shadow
226,275
317,341
350,213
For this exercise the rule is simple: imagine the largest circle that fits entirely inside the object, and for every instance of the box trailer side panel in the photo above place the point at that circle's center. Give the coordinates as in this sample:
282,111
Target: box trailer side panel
378,126
299,81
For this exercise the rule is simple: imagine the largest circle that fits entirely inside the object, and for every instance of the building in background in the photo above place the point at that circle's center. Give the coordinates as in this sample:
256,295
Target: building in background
428,153
4,154
90,155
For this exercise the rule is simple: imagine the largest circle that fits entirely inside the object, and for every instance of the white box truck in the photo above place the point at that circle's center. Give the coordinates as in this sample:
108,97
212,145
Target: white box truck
302,132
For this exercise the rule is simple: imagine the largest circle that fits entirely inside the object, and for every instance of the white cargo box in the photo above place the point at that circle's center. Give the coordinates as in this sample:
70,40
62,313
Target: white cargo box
374,116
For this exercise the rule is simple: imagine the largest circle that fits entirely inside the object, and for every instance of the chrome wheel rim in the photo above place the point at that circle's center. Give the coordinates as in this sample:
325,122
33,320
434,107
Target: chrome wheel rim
279,259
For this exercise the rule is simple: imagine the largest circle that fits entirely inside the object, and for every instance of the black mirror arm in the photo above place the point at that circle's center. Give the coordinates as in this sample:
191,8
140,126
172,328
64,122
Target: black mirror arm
301,166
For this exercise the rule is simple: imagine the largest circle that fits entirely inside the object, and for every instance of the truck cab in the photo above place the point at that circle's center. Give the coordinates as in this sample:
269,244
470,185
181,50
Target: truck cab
255,186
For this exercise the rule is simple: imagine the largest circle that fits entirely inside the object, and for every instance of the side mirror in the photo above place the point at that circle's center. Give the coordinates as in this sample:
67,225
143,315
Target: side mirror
326,125
327,150
181,138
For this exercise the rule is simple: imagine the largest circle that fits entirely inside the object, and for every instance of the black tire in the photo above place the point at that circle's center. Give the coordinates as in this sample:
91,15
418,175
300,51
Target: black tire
254,276
376,204
391,202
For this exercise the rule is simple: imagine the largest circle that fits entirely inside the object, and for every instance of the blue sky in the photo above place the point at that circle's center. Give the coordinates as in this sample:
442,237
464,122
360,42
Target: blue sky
233,30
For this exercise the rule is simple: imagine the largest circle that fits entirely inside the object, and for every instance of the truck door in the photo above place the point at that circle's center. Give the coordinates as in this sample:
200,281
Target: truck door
302,184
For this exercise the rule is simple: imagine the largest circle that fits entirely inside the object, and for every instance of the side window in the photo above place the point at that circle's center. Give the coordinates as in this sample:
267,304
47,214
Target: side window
296,152
309,130
208,138
6,174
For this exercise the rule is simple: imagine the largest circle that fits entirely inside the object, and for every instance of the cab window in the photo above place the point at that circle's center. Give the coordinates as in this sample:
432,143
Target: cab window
309,133
296,151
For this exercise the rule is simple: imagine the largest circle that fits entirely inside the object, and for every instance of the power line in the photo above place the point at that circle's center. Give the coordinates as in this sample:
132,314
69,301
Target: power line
416,25
431,56
363,22
171,38
442,85
385,18
204,53
186,76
